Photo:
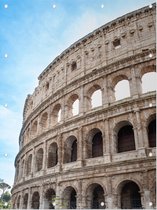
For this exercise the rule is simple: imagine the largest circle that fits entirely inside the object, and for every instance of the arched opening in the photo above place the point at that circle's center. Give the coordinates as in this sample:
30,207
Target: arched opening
69,199
152,133
95,197
72,199
29,164
23,169
25,201
49,199
97,145
35,200
56,115
18,202
34,128
70,150
59,116
96,99
44,121
126,141
149,82
74,151
130,196
52,155
17,172
94,143
122,89
75,107
39,159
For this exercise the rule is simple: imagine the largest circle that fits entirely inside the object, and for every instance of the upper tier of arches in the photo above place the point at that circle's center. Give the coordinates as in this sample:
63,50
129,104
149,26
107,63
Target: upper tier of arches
108,44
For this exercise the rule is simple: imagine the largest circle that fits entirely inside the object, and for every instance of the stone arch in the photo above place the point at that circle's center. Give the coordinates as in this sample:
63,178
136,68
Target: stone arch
52,155
18,202
73,105
124,134
56,114
34,128
151,130
39,159
94,98
22,169
35,200
44,121
121,87
129,194
148,68
25,201
148,73
69,198
95,195
94,144
49,199
29,165
70,149
149,82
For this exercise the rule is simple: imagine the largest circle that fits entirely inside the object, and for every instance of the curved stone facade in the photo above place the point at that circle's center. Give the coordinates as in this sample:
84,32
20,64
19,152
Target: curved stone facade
82,159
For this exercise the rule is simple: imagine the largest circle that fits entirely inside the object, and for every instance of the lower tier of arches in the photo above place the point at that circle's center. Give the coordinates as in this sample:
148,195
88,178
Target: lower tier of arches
129,190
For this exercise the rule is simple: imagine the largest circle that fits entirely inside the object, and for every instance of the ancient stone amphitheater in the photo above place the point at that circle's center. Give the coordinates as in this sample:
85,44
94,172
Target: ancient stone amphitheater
83,144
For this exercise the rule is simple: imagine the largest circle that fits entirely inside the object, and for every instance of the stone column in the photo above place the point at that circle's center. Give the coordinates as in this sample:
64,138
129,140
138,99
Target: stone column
45,156
59,140
21,200
81,102
29,198
106,137
110,91
105,99
80,145
145,137
139,130
136,138
33,167
41,206
79,195
135,83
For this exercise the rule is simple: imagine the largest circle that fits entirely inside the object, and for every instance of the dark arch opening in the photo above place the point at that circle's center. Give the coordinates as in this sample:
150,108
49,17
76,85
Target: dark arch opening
25,201
52,155
72,204
70,150
50,198
74,151
152,133
130,196
29,164
35,200
39,159
97,145
18,202
126,141
98,201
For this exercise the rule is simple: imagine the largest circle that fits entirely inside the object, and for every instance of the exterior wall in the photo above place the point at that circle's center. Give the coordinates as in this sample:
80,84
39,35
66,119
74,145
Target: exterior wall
99,65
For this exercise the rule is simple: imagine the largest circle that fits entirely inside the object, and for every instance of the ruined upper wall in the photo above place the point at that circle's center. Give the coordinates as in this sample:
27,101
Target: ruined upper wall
123,37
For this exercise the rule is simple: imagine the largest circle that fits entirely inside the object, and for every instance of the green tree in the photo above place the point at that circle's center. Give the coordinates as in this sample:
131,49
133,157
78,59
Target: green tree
4,186
5,196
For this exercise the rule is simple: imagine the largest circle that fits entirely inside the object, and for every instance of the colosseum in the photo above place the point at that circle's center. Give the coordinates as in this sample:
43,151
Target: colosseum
82,144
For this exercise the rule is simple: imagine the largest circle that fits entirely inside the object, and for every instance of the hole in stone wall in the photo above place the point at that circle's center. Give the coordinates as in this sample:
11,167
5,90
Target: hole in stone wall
122,90
149,82
96,98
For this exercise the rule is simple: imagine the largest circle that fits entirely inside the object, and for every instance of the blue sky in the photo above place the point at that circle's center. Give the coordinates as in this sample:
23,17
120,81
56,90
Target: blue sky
32,34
